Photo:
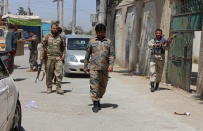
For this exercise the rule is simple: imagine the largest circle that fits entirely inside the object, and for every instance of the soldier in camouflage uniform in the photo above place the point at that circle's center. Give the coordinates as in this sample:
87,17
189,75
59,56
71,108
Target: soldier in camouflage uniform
33,52
100,53
158,46
54,47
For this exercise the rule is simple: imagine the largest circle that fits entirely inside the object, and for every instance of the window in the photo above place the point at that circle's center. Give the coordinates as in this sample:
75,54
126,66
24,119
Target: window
77,43
188,6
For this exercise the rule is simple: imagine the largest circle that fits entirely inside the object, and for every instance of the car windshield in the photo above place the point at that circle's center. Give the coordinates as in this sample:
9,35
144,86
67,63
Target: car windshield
77,43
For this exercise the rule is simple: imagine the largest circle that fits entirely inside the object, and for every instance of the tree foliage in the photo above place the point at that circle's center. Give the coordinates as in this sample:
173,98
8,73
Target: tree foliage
21,11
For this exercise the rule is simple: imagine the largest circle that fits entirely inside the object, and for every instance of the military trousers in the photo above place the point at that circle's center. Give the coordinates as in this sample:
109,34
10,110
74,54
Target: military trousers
156,70
33,59
98,83
54,67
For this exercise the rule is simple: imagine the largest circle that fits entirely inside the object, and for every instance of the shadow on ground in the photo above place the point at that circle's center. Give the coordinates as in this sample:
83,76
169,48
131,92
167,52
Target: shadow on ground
162,89
128,73
78,76
54,91
22,129
197,97
107,105
121,71
19,79
65,83
19,67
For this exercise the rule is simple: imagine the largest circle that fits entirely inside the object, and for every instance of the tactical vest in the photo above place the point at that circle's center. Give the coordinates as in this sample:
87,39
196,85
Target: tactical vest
158,50
54,46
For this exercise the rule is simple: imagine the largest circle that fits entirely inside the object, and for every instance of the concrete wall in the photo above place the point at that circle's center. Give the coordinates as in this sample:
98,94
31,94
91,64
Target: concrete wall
200,69
168,6
149,24
118,38
130,37
196,45
111,14
123,23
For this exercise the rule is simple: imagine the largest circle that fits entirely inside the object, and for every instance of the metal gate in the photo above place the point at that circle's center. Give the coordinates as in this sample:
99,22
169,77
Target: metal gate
183,24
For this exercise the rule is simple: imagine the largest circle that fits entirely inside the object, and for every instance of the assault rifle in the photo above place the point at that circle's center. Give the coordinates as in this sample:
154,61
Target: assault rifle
162,46
171,38
40,67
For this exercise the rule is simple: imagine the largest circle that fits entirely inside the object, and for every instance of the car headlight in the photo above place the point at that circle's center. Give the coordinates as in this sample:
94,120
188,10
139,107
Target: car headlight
72,58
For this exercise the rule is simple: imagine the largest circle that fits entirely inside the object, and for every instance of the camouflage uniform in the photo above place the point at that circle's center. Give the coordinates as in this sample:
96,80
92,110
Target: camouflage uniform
33,53
41,54
101,55
54,65
157,60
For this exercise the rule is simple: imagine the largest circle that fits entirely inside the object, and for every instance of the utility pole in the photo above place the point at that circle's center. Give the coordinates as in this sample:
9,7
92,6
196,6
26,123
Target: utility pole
74,16
6,7
28,7
101,4
58,9
2,7
62,5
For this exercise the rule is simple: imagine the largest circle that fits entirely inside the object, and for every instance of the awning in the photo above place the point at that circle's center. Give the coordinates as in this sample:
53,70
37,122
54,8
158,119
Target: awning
23,20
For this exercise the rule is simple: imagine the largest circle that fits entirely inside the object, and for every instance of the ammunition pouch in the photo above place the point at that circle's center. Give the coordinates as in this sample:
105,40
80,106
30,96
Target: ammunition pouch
158,50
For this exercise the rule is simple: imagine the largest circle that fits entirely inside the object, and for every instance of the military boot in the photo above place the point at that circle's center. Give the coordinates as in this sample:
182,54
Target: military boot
59,91
95,107
99,105
152,87
157,86
49,90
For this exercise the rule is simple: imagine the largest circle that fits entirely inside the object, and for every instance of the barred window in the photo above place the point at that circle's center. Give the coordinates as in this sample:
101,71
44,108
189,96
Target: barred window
189,6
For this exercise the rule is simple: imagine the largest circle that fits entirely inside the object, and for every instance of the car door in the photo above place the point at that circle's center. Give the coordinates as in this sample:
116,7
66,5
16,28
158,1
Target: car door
12,93
3,96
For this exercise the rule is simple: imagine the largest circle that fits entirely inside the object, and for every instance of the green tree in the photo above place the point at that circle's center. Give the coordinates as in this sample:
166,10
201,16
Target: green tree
21,11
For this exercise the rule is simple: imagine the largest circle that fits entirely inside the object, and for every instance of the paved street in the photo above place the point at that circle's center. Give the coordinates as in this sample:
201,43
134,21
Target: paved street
127,105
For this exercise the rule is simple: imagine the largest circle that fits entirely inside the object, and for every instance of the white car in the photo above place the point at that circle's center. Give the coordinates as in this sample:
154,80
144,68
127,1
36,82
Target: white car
10,108
75,54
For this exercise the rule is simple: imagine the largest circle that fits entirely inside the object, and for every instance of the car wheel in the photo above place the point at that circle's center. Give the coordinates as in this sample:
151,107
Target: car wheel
65,74
17,117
